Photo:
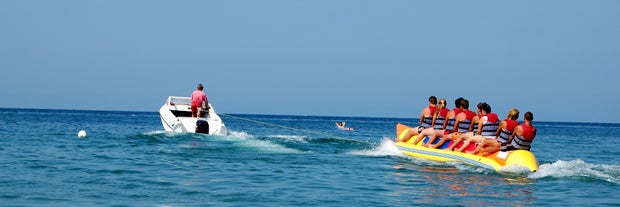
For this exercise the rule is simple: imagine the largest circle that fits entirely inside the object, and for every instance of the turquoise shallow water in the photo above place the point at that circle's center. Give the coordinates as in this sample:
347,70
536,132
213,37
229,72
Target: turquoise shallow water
127,160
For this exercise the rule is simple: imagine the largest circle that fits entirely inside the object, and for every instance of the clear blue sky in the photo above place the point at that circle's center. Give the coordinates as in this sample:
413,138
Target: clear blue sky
559,59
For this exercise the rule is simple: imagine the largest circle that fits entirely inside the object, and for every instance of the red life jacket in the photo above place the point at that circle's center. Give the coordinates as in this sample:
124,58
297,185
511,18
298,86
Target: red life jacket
504,134
432,109
492,117
511,124
529,131
489,128
525,140
427,121
444,112
469,115
457,111
464,124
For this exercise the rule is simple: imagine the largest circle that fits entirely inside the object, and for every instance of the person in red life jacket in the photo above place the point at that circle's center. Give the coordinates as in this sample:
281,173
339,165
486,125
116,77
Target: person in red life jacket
439,118
505,130
426,120
508,129
198,99
448,125
426,117
487,125
440,115
461,125
523,135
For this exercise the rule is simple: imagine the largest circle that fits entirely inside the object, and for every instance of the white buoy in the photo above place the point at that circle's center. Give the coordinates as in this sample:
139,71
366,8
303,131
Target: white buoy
82,134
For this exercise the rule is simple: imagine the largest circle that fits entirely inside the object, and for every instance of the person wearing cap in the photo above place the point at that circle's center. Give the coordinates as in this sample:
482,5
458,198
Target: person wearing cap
198,99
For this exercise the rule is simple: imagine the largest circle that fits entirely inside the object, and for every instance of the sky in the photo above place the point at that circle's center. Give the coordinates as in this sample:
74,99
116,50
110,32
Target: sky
559,59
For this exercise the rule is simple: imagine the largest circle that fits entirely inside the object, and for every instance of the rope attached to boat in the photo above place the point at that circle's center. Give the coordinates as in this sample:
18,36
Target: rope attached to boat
290,128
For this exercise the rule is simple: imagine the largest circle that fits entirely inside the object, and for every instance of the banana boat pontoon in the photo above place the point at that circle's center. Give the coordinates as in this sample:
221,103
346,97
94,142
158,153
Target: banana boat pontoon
495,161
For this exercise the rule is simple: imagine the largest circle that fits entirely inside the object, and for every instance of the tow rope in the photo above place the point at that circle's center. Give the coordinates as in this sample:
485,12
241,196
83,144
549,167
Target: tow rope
290,128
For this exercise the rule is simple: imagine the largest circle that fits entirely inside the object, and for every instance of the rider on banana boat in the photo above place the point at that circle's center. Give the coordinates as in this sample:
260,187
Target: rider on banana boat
461,125
487,127
439,120
448,125
506,128
426,120
523,134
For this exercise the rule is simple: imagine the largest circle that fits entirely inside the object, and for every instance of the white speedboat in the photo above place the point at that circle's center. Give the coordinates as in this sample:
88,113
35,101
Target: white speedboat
176,116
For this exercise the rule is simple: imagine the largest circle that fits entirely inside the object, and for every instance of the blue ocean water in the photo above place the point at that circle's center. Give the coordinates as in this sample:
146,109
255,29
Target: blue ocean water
271,160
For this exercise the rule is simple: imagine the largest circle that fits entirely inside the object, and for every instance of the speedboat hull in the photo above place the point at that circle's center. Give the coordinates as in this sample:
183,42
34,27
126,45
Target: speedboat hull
175,116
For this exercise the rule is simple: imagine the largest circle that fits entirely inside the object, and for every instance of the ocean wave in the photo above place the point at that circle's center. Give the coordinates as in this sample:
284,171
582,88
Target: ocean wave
578,170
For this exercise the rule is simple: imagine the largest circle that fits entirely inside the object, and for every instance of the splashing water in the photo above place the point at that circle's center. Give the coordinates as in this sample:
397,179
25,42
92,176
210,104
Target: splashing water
579,170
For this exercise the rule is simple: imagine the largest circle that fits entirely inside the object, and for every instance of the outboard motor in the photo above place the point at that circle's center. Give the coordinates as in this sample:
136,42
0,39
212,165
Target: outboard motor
202,126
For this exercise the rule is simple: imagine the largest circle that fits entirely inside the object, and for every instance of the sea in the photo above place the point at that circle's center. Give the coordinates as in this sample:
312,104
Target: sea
127,159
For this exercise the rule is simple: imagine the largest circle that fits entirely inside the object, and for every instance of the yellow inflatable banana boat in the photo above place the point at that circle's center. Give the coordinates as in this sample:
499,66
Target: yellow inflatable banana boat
495,161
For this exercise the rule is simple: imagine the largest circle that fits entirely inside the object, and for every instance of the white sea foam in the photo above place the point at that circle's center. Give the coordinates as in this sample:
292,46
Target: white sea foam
290,137
515,169
160,134
240,134
386,148
578,169
266,146
245,140
155,132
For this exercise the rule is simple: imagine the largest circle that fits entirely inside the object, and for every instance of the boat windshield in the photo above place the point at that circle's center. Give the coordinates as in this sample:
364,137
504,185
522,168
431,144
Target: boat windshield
174,100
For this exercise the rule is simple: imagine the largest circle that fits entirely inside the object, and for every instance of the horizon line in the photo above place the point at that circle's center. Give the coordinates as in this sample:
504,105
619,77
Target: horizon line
107,110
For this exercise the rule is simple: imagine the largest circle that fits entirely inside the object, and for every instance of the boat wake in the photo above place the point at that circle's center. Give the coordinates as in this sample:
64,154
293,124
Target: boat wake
578,170
295,144
275,143
247,141
385,148
161,135
235,141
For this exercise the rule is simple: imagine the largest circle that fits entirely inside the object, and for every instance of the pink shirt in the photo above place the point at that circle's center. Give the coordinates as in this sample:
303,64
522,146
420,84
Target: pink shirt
198,97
